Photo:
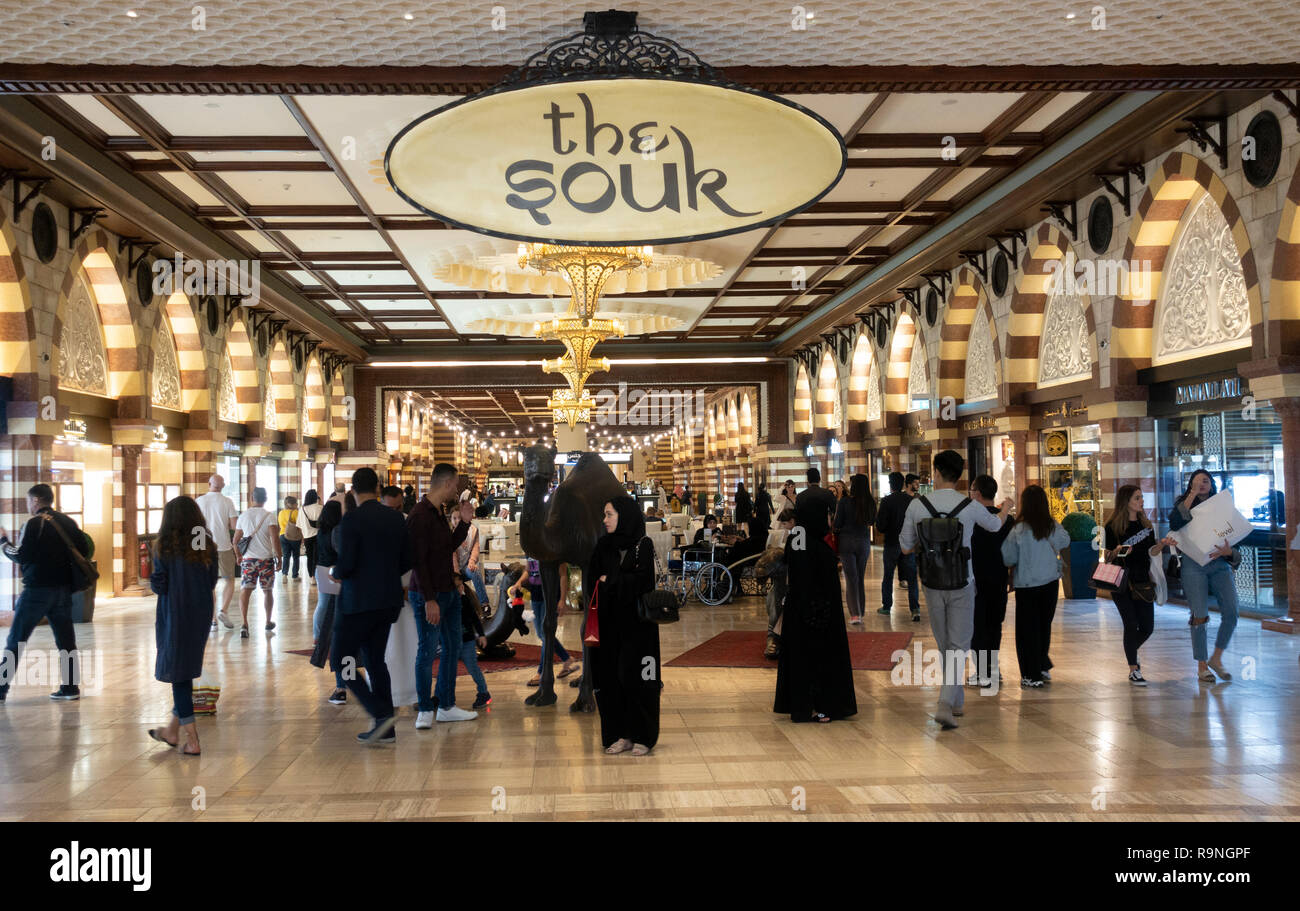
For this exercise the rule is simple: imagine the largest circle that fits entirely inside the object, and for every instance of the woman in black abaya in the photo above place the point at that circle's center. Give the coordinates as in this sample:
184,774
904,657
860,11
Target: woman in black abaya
814,679
625,666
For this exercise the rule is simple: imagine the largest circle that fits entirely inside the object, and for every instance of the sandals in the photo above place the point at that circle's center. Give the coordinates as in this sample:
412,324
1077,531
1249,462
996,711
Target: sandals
569,668
619,746
640,749
820,718
156,734
1207,676
183,749
536,681
1218,669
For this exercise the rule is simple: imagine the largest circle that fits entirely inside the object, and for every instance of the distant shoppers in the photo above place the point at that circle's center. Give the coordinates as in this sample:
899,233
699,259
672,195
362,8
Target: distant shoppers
942,570
183,578
744,505
259,557
625,667
219,515
433,596
44,553
290,537
912,484
1129,526
788,495
1033,550
308,523
780,583
408,499
469,562
327,588
1198,581
814,677
990,586
374,553
472,639
391,496
531,581
763,506
889,521
853,515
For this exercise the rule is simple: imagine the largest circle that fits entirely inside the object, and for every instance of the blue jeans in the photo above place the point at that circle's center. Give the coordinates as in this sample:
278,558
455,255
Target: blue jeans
469,656
475,578
183,697
34,605
1198,582
426,652
539,617
906,563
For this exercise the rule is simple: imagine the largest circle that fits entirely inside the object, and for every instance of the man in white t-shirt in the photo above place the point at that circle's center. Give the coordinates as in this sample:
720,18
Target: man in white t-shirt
952,613
219,514
261,558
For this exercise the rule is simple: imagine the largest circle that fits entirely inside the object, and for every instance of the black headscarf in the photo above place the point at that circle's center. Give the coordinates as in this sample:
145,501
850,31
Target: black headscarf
631,523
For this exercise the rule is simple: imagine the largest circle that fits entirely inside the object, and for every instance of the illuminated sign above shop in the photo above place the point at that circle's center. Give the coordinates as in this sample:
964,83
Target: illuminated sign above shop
1208,391
615,137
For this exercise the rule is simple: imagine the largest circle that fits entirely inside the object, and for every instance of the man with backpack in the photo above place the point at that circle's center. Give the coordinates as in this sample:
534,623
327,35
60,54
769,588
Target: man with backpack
45,552
938,528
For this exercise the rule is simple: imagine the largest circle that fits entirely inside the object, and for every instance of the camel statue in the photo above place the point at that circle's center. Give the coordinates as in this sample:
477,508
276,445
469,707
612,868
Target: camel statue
563,529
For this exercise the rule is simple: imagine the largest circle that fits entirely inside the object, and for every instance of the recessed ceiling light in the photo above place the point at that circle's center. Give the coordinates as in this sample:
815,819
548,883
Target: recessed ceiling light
1069,15
408,17
132,14
212,104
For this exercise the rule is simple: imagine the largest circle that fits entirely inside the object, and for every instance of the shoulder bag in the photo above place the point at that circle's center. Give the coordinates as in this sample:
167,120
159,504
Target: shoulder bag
591,637
292,533
83,574
1111,575
247,541
659,605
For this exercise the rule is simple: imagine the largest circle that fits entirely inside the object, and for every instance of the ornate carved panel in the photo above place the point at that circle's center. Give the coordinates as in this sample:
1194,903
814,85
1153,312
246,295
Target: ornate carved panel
873,392
83,361
981,376
166,369
1204,303
918,385
228,407
268,409
1064,352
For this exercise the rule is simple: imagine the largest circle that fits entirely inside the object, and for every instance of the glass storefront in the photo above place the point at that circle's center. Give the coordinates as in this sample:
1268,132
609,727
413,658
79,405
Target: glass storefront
82,477
329,481
266,474
1242,450
229,466
1071,465
1002,464
164,472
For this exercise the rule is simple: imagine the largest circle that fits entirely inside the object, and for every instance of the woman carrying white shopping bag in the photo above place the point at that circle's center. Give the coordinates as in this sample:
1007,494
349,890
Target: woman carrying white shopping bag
1216,575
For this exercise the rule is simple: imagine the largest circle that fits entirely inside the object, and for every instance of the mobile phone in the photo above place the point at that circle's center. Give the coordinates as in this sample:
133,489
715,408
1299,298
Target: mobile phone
1121,552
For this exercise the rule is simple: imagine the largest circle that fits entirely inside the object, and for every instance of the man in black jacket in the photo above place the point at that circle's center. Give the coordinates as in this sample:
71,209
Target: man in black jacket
47,566
990,586
374,552
889,521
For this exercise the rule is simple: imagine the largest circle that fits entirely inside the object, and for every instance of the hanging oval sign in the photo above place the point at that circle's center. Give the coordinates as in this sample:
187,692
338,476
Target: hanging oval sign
623,161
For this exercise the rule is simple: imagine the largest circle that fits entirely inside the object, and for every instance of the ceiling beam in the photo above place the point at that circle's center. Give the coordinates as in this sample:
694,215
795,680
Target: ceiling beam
936,140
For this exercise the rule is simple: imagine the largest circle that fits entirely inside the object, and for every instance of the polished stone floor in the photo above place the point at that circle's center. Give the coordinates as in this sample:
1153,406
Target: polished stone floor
1088,747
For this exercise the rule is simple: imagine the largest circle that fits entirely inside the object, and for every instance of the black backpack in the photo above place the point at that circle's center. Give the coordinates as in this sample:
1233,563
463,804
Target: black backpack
943,558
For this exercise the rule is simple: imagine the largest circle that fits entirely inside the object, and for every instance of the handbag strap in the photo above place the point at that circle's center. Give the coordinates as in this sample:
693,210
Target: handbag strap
659,570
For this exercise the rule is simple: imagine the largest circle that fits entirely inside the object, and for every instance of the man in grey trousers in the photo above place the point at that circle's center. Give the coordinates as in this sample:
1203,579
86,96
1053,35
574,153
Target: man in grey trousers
952,613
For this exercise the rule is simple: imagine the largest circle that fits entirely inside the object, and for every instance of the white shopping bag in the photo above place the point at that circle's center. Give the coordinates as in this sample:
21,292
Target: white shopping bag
1214,522
403,641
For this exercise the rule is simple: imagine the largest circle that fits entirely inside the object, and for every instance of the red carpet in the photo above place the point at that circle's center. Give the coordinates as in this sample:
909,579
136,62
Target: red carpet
870,651
525,656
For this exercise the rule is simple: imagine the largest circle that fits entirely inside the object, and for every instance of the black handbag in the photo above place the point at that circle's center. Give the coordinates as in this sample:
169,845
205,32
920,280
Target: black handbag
82,574
659,605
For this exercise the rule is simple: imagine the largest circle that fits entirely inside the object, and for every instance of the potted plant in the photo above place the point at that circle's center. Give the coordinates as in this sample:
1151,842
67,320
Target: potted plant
83,602
1081,528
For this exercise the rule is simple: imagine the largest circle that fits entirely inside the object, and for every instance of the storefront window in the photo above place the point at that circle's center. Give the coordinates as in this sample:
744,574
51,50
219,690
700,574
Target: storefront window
266,474
1242,451
1071,459
82,477
1003,465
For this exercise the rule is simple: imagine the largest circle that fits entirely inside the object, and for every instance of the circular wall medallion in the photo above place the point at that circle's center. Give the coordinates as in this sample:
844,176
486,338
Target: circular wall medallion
1057,444
882,332
1101,225
1263,143
45,233
931,307
1001,274
144,282
214,318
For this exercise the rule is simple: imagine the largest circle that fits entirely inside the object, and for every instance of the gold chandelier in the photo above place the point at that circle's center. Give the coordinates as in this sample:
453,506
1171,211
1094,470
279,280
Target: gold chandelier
571,408
586,268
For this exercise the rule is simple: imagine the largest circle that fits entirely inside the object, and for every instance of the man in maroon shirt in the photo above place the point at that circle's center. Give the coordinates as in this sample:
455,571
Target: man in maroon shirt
433,596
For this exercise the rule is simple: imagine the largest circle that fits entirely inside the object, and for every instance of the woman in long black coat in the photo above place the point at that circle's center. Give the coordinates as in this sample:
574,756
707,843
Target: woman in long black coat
814,679
625,666
744,505
184,577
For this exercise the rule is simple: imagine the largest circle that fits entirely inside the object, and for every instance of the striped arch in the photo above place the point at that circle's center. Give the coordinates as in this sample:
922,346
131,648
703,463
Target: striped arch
802,401
196,397
125,378
280,375
1178,180
859,375
338,410
1046,251
243,367
828,391
747,437
967,298
392,434
897,400
313,391
733,426
17,323
1284,289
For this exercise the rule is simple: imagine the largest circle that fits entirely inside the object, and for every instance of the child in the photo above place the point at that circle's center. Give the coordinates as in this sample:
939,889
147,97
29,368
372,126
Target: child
532,582
472,639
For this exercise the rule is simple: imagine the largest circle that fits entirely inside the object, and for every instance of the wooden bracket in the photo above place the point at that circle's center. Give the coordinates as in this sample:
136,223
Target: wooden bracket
1198,130
37,185
131,244
978,260
1293,107
913,296
1017,238
79,222
939,281
1122,194
1058,208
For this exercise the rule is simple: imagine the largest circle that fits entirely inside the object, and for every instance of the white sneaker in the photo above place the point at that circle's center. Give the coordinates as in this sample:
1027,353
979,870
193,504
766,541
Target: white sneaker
455,714
424,721
225,620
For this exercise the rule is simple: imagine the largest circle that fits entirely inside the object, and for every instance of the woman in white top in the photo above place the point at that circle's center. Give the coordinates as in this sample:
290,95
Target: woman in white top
308,516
